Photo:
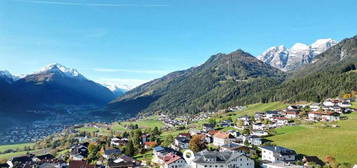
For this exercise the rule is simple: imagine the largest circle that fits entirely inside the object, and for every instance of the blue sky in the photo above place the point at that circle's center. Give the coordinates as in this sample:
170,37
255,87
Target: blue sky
132,41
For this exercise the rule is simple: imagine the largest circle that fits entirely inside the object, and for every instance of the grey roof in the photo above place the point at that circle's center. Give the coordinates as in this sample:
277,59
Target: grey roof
112,152
214,156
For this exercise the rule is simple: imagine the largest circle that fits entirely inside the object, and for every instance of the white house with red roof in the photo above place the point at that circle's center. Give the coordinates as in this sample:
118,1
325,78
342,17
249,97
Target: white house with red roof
173,161
324,116
222,138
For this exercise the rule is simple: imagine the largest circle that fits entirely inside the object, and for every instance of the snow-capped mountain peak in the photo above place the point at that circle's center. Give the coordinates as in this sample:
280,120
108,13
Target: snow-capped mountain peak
117,89
322,45
56,67
299,54
8,76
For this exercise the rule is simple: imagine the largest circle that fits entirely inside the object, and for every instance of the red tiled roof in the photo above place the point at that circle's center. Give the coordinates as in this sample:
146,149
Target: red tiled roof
221,135
151,143
212,132
170,158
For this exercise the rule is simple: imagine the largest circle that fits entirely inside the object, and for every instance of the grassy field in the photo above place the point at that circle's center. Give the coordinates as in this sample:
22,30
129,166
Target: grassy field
340,143
354,105
10,155
262,107
15,146
150,122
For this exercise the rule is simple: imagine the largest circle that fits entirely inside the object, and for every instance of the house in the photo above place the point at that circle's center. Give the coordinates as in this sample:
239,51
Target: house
20,160
181,142
119,141
174,161
293,108
259,126
208,127
280,164
221,138
229,147
280,121
258,116
271,114
315,106
124,162
79,151
292,114
225,159
145,138
149,145
324,116
160,152
344,104
109,153
277,153
234,133
259,133
209,136
328,103
80,164
254,140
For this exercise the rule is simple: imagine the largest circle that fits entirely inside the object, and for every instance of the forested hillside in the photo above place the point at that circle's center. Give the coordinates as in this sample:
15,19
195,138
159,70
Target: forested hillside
217,83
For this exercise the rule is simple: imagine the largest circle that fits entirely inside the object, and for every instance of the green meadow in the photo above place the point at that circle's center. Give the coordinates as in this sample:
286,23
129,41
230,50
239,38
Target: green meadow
340,142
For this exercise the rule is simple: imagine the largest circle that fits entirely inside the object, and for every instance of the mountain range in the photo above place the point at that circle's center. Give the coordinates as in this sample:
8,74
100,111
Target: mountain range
54,84
310,73
323,69
289,59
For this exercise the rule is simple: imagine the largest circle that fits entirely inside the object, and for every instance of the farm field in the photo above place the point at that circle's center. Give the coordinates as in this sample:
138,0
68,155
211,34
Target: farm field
340,143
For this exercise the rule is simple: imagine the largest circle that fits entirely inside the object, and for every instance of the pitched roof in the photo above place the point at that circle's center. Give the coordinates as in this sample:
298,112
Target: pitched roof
222,135
79,164
151,143
212,132
172,159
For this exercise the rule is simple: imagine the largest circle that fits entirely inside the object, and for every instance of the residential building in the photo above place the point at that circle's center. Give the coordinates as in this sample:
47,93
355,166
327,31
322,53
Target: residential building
277,153
108,153
215,159
222,138
174,161
208,127
123,162
324,116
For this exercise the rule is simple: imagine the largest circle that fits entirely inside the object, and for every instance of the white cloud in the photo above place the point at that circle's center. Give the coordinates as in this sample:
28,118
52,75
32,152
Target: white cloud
155,72
91,4
123,82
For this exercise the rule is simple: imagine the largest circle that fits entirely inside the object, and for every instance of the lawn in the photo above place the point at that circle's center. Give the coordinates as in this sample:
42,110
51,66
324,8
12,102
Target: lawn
340,143
262,107
10,155
354,104
15,146
150,122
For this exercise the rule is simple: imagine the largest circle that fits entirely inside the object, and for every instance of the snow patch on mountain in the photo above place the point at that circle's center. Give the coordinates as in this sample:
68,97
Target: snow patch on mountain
298,55
117,89
56,67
